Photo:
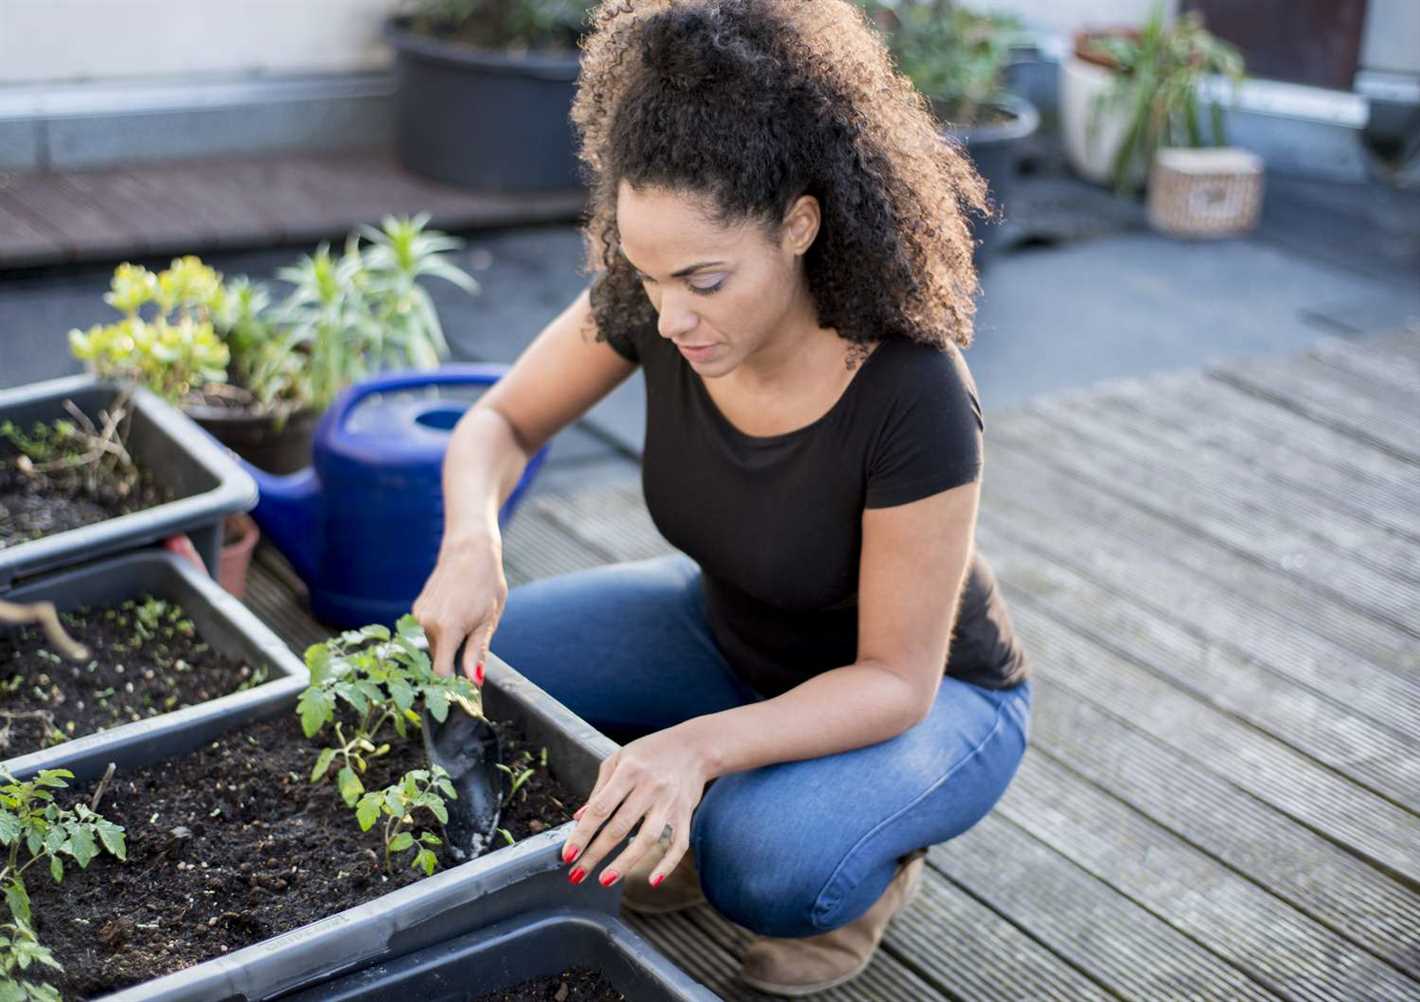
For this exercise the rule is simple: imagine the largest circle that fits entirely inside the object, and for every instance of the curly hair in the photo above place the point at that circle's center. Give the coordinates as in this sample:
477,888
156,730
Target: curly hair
749,104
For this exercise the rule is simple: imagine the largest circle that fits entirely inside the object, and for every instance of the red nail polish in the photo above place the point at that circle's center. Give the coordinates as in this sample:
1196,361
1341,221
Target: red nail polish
577,876
656,880
570,852
608,878
478,673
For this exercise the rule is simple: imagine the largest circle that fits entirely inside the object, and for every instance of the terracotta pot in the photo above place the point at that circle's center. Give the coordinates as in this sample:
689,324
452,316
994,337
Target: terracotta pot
239,538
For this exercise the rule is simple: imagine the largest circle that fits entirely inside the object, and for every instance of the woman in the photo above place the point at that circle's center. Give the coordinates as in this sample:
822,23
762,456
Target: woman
778,238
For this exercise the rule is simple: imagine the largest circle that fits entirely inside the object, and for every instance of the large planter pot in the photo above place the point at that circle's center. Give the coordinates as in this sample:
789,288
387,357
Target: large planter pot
996,151
531,946
221,621
527,876
204,480
263,441
1090,153
483,120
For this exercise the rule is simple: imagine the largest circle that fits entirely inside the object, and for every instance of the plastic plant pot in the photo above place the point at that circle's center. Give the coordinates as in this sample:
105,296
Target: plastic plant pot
204,479
534,945
223,622
506,882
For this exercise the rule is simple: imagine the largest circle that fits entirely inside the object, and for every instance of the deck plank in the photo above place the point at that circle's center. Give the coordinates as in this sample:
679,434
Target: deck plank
1115,463
1211,424
1332,397
1017,481
1276,945
1376,756
1114,940
1314,875
191,206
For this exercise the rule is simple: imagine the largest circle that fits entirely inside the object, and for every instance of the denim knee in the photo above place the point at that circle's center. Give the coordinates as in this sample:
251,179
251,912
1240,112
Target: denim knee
763,880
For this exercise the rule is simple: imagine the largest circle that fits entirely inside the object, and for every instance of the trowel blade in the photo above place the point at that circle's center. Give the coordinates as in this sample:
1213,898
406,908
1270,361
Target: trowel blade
466,747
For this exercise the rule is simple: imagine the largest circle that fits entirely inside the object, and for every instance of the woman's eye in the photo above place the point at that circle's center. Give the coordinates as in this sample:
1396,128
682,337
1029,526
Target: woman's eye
706,290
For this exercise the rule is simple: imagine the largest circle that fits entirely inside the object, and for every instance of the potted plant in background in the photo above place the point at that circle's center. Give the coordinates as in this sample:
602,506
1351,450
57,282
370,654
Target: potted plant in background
1125,92
958,57
485,89
257,376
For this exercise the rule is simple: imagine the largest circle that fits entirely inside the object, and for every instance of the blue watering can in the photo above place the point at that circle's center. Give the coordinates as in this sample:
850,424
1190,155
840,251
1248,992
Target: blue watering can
362,526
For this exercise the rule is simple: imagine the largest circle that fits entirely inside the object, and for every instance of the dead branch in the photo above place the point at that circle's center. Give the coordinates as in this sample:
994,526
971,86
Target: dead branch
44,614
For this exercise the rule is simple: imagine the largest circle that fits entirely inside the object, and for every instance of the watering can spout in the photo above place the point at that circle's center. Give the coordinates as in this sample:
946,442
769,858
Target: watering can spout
292,514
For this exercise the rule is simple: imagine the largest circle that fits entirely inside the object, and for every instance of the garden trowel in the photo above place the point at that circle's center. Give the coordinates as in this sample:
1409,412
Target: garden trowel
466,747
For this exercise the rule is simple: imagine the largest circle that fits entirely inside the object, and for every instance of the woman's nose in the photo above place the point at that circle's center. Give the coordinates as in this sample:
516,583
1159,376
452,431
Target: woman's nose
675,319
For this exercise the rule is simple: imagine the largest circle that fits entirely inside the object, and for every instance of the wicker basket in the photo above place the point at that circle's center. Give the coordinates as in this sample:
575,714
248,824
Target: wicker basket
1209,192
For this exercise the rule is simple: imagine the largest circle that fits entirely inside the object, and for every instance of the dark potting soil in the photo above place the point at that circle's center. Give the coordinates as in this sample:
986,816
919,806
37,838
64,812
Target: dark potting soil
233,844
35,507
145,658
576,984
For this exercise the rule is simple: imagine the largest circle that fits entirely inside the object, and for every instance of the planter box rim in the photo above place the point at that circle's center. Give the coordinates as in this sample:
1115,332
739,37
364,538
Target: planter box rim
462,955
543,65
289,678
234,490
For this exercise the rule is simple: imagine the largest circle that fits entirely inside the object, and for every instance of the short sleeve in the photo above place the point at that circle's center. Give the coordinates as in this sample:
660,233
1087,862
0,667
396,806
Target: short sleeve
931,434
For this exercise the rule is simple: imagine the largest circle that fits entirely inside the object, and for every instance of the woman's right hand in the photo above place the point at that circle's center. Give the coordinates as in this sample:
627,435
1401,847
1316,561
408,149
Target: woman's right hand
463,599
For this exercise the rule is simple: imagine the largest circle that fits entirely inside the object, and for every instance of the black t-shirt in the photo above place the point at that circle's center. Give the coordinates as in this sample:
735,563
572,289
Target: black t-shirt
775,522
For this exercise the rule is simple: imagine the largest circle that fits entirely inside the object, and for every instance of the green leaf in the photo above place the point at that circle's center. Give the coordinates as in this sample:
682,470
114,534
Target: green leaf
9,827
54,778
436,806
401,842
111,835
437,701
56,869
375,632
350,785
426,861
322,766
408,627
367,812
351,694
315,707
82,846
402,693
317,662
429,838
18,899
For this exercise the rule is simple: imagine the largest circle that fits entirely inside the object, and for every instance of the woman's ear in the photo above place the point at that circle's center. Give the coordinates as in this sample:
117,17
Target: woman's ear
801,223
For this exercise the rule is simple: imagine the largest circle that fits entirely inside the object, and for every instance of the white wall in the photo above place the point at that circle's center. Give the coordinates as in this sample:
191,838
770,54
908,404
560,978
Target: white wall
1068,16
76,40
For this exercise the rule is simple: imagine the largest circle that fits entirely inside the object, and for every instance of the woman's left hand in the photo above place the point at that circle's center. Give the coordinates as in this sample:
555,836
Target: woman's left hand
657,781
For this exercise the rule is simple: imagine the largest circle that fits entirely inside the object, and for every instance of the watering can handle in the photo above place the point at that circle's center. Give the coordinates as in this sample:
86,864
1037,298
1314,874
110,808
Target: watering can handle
464,373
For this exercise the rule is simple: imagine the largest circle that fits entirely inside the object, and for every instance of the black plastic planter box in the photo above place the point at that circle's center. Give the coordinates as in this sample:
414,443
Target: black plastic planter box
504,883
543,943
222,622
207,483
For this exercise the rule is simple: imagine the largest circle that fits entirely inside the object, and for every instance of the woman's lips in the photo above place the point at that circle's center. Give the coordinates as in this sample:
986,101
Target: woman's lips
698,354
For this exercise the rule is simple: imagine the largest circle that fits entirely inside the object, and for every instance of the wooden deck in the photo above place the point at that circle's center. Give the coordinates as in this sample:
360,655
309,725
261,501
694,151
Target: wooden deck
191,206
1218,577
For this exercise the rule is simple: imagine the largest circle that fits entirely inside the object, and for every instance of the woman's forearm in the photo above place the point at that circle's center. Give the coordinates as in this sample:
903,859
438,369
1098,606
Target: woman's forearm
481,469
850,707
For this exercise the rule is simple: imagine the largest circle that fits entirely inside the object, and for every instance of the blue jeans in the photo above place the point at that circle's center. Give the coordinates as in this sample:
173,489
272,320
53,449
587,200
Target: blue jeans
792,849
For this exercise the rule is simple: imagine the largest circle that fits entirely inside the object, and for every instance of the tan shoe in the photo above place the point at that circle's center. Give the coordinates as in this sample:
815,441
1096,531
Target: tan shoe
817,963
680,889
